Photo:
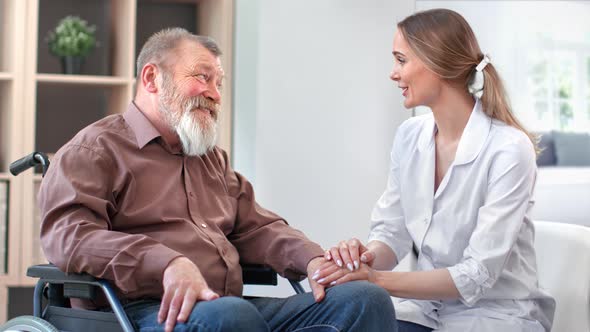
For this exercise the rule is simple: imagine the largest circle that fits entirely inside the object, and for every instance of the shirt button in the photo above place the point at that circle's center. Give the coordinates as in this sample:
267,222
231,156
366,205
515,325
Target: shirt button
204,226
190,194
426,220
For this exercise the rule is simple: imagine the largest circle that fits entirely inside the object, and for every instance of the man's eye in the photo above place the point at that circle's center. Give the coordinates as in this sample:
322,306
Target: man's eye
203,77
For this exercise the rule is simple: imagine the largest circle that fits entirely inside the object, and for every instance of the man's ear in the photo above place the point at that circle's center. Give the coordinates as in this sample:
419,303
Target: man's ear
149,72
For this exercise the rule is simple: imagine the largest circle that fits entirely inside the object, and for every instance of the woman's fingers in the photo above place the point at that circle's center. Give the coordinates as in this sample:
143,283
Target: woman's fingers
368,257
335,254
350,254
325,270
358,275
343,249
354,249
328,276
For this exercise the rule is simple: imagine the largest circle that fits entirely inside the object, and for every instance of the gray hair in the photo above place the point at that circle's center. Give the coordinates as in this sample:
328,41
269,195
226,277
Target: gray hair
157,48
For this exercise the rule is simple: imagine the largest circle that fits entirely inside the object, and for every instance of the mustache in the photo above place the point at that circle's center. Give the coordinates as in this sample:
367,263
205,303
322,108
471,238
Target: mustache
203,103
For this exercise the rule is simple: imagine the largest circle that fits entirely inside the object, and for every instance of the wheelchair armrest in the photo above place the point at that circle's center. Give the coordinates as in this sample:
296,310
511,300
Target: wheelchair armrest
51,272
75,285
253,274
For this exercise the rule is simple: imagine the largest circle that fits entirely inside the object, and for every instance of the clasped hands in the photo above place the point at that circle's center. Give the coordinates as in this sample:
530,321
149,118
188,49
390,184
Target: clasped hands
349,260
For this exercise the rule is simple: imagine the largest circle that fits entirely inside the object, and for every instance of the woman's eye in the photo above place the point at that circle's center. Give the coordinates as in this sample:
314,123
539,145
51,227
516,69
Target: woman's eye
401,61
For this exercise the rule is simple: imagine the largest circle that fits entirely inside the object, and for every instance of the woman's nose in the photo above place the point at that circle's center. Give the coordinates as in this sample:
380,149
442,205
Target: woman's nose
394,75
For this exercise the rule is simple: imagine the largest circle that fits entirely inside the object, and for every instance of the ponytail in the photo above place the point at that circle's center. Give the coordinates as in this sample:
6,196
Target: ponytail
496,104
446,44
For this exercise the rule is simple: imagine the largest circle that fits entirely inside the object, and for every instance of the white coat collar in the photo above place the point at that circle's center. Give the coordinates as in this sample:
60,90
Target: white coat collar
472,140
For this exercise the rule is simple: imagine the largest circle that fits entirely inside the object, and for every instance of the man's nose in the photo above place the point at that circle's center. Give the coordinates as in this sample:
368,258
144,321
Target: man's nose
213,93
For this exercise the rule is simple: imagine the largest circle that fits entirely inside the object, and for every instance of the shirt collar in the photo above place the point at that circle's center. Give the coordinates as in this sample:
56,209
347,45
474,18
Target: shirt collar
426,138
472,140
474,135
143,129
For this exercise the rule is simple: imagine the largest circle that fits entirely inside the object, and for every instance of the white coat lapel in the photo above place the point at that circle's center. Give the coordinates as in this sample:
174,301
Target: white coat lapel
472,141
424,183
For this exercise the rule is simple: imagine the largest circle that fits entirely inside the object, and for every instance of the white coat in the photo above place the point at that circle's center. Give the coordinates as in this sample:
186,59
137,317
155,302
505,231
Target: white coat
476,225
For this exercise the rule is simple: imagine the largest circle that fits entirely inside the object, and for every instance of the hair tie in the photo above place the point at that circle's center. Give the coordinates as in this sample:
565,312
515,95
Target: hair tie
477,82
483,63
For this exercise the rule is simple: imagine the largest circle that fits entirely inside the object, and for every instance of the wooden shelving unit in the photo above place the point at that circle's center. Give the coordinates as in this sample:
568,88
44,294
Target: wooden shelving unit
41,108
83,80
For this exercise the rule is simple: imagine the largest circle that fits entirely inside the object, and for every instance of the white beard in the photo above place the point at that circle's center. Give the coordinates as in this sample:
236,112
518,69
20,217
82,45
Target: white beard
197,131
197,136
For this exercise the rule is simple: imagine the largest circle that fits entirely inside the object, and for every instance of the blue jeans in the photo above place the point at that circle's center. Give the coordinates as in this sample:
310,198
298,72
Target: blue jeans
404,326
354,306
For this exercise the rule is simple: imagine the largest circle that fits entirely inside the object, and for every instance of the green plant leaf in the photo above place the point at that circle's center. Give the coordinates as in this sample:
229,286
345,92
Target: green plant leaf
72,36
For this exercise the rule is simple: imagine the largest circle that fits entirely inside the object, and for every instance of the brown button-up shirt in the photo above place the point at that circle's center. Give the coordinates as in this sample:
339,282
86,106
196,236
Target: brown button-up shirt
120,204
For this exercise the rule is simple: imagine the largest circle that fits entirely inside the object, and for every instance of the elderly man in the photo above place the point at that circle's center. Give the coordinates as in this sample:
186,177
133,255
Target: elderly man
145,199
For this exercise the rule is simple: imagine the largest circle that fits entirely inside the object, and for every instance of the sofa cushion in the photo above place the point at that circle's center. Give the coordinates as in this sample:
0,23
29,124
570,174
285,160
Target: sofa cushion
572,149
547,146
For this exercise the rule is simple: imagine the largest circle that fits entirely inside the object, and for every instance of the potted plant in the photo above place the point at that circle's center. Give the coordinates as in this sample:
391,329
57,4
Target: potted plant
72,40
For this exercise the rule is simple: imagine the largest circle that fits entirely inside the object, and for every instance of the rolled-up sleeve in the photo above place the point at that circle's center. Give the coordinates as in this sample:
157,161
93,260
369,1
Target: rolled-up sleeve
387,218
510,184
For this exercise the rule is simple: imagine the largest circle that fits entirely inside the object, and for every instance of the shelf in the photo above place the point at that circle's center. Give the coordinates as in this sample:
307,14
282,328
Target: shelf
82,80
95,12
80,104
7,129
38,257
41,109
155,15
4,185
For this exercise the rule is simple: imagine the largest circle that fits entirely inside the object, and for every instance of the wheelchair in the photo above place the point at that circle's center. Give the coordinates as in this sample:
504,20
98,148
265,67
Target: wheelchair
51,310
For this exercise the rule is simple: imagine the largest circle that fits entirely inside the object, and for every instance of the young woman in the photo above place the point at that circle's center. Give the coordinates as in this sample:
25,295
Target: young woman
459,191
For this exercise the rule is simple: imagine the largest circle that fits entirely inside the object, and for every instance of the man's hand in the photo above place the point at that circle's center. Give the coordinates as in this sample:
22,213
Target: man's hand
312,267
184,285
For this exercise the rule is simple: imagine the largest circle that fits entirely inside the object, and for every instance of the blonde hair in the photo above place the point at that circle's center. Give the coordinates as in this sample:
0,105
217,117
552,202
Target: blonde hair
443,40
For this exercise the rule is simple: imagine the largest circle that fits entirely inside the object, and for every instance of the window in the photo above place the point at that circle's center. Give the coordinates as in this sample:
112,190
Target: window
544,60
553,78
588,86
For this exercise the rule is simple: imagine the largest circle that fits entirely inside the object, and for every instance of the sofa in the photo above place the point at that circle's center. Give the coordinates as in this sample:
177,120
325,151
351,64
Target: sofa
562,192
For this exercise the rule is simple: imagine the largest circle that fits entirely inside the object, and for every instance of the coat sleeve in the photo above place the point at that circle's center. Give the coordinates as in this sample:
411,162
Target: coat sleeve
510,184
387,219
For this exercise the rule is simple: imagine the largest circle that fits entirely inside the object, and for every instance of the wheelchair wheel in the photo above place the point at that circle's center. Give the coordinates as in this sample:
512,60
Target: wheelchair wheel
28,324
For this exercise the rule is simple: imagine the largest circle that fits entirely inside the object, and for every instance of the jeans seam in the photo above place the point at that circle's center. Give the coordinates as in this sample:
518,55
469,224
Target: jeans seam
317,325
199,325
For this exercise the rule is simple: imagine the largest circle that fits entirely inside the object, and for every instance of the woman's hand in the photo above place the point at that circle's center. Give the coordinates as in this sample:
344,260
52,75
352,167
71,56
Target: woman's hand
330,274
350,254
